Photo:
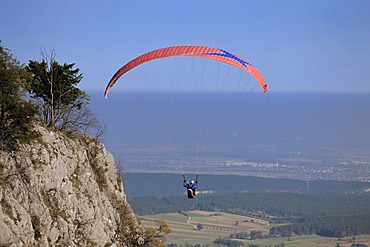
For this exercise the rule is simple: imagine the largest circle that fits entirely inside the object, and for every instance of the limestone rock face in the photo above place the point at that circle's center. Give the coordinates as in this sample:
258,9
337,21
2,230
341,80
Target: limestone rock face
62,191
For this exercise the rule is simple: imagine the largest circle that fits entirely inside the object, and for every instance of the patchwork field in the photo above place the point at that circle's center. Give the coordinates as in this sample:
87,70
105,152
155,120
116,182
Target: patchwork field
184,226
218,224
311,240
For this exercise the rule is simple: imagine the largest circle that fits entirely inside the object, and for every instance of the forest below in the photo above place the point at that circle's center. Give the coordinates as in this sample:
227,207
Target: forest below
331,215
152,184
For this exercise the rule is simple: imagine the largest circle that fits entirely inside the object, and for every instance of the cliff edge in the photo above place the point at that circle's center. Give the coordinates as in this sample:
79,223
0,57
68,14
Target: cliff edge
63,191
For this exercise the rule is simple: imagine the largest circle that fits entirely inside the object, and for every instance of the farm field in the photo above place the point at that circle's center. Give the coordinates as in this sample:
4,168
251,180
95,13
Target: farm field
218,224
310,241
184,226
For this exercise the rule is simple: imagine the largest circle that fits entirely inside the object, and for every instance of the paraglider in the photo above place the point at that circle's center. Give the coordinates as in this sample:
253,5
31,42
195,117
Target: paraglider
191,186
196,51
216,54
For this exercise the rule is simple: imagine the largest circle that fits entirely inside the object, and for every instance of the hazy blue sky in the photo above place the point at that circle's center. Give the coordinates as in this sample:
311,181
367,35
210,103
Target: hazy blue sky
311,45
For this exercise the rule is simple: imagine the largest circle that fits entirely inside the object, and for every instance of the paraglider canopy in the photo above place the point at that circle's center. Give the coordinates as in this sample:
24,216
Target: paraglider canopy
195,51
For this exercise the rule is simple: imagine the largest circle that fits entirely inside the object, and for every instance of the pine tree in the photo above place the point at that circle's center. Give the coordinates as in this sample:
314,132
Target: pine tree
54,87
16,113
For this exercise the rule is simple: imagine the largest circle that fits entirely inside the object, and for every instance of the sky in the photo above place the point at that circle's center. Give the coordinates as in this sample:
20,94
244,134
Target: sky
299,46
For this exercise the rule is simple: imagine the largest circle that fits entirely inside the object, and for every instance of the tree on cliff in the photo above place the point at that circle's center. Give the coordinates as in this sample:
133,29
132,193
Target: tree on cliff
16,113
156,237
54,87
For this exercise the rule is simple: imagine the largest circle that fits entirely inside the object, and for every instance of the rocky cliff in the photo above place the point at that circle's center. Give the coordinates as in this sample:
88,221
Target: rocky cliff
62,191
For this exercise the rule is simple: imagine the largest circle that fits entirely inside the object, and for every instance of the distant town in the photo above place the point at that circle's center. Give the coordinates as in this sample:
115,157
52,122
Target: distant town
344,171
312,164
355,170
